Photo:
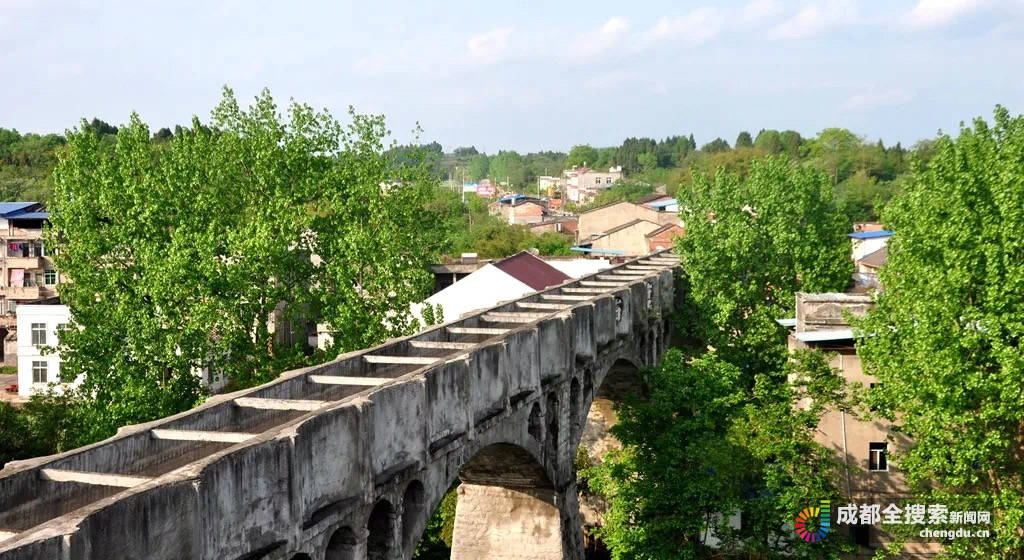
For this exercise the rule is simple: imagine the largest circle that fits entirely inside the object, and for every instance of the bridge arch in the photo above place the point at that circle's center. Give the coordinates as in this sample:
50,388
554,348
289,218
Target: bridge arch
342,545
380,526
414,513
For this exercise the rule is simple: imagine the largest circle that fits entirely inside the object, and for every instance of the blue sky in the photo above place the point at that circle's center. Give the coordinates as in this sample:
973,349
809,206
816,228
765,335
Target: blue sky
524,75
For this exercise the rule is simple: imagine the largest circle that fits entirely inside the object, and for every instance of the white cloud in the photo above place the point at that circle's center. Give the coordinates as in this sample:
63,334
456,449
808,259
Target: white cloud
490,46
760,10
815,19
596,42
874,100
696,27
935,13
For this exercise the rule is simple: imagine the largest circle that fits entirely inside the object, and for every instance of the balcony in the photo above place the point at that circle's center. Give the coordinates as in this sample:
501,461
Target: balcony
23,262
22,233
20,292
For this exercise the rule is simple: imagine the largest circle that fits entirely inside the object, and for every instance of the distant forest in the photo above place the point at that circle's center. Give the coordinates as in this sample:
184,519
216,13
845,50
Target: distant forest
864,174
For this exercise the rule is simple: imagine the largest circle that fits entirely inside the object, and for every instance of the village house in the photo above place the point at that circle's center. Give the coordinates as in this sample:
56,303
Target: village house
28,274
582,183
628,239
519,209
664,237
863,445
603,218
38,323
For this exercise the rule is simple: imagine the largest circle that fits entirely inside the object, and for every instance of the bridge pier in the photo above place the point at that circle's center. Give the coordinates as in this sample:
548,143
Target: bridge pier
516,524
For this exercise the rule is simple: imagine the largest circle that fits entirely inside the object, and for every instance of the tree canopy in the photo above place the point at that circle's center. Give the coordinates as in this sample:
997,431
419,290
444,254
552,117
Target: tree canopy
944,339
179,257
582,155
750,245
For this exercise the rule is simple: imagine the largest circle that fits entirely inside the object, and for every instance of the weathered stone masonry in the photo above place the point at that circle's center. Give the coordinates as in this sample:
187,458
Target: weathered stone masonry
349,459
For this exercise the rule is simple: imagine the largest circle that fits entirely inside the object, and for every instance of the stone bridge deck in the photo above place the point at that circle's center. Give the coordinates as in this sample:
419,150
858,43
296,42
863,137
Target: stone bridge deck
297,466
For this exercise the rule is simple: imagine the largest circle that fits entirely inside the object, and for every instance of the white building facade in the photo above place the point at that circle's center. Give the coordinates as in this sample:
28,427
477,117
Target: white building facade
37,329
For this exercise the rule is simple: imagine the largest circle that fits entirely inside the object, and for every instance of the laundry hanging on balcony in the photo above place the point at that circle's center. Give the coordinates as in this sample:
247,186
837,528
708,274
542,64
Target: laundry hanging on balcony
17,277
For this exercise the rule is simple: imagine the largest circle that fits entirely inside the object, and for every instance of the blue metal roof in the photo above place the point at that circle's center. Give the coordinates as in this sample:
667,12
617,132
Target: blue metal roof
30,216
14,207
662,203
512,198
871,234
601,251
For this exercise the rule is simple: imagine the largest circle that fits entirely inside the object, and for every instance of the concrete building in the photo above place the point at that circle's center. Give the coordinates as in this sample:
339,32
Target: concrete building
863,445
556,224
604,218
27,274
582,183
630,238
867,242
519,209
664,237
38,324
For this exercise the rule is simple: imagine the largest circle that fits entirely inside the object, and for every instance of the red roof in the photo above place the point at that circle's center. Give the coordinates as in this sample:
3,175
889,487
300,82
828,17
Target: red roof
531,271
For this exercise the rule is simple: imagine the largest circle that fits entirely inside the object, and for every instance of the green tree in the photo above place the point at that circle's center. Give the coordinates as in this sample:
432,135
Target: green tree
668,486
465,151
179,256
647,161
744,140
790,143
479,166
768,141
701,448
509,167
785,469
749,246
944,339
834,150
581,155
605,158
716,145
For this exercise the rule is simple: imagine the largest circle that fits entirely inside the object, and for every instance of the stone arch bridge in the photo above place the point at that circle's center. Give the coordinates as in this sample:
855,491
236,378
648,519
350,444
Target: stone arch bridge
348,459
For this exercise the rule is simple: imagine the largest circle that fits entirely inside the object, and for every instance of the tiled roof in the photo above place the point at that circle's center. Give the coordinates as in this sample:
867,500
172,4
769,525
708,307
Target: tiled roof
531,271
663,229
876,259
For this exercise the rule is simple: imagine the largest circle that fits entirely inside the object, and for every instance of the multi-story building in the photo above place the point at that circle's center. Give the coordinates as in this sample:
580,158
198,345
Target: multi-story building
582,183
27,273
37,325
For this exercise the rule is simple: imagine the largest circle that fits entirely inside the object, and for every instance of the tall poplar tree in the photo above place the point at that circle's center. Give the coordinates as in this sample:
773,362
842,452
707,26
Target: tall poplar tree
179,254
944,341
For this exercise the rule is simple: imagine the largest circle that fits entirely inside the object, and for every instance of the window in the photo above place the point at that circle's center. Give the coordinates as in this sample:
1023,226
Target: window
38,334
876,456
50,277
38,372
861,534
12,306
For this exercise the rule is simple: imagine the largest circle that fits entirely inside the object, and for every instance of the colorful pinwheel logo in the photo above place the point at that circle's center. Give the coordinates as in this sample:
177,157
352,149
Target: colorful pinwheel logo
813,523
